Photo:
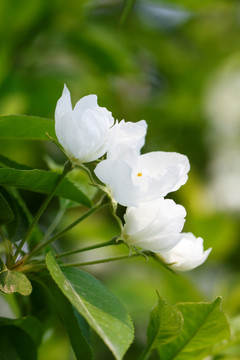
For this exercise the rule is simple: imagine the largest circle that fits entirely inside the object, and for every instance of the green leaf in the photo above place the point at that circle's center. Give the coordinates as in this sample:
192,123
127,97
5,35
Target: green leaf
22,220
26,127
77,176
6,162
229,349
75,324
104,313
164,326
6,213
204,326
42,181
12,225
14,281
29,324
19,338
16,344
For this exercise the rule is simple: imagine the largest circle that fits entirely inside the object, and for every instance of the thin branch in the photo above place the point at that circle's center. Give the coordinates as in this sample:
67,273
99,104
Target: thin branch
113,241
121,257
66,229
67,168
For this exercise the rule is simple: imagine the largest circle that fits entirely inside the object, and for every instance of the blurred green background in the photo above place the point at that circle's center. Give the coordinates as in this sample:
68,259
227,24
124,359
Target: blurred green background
175,64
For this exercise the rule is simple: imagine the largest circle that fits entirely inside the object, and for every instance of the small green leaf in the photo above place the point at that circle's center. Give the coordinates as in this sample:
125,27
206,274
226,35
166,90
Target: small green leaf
14,281
75,324
6,213
42,181
204,326
26,127
164,326
104,313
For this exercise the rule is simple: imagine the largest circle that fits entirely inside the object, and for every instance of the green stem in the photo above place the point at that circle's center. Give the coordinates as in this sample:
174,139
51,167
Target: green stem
104,189
8,248
4,240
118,220
113,241
66,229
126,11
160,261
67,168
121,257
54,224
146,353
86,169
30,267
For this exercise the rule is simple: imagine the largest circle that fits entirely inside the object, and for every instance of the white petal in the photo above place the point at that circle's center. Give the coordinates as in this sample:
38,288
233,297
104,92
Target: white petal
187,254
153,175
117,176
68,135
64,104
125,137
168,168
84,131
154,225
86,102
65,126
89,102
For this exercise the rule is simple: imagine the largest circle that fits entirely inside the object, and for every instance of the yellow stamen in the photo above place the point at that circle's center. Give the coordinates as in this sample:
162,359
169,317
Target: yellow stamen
139,174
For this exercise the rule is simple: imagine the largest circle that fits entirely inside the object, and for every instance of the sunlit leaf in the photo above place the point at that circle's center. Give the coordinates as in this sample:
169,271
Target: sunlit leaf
75,324
204,326
25,127
104,313
164,326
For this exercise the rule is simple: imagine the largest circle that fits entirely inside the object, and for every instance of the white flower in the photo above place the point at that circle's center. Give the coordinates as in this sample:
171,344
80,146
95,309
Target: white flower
187,254
133,179
154,225
83,131
126,137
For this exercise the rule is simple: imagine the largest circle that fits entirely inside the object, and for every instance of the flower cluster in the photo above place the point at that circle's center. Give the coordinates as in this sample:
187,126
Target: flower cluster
139,182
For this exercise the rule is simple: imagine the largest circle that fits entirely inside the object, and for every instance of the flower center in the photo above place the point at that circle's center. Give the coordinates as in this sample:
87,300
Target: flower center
139,174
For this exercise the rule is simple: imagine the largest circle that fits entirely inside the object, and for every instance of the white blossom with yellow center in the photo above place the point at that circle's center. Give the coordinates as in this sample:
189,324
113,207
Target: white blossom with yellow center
134,179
